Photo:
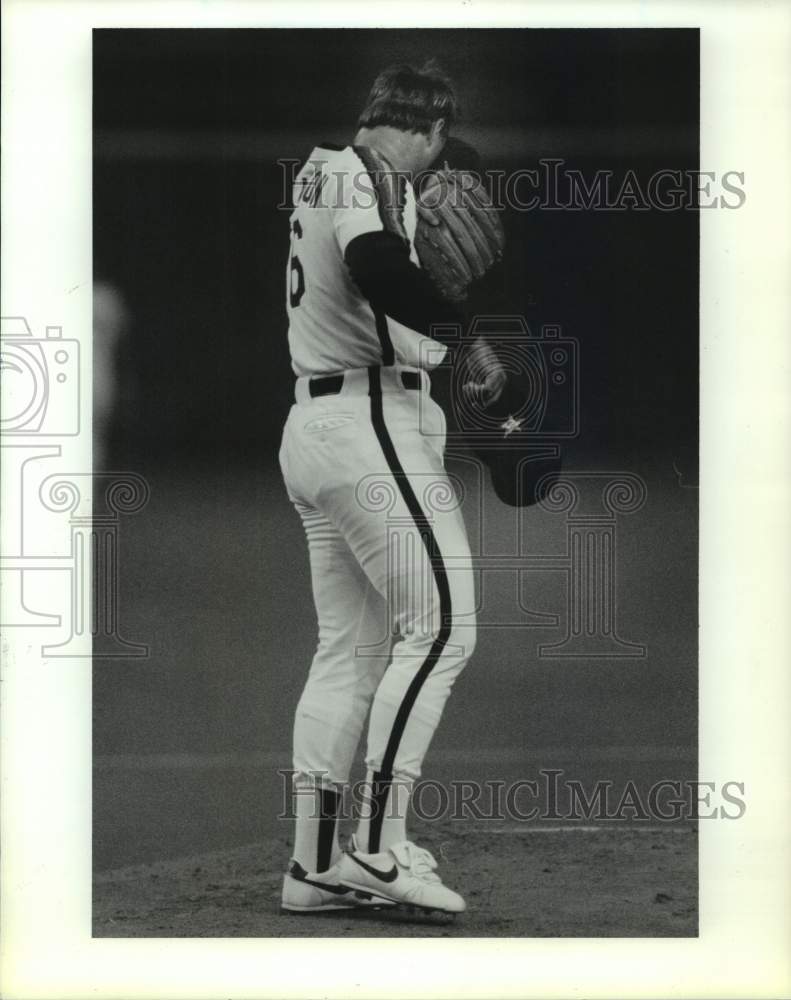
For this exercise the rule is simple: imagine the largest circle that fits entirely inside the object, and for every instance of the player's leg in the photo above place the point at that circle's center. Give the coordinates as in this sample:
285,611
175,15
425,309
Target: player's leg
437,626
434,604
330,716
412,543
340,684
334,703
438,638
431,594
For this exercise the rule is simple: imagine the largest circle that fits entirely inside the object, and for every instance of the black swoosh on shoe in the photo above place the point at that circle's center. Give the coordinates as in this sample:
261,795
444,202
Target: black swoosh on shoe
299,873
388,876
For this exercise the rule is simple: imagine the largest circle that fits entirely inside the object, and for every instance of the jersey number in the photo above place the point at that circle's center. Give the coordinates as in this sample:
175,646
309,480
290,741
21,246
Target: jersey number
296,276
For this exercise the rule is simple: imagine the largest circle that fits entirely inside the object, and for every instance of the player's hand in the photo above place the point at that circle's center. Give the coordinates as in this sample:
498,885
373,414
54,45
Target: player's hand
486,376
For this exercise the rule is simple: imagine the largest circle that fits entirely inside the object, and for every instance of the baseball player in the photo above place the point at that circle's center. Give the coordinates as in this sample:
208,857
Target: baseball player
362,460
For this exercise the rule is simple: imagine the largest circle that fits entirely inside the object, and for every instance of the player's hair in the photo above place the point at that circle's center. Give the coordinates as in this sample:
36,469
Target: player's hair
410,99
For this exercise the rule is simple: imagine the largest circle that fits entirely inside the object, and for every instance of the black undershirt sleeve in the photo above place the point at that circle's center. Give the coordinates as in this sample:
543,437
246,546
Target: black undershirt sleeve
380,266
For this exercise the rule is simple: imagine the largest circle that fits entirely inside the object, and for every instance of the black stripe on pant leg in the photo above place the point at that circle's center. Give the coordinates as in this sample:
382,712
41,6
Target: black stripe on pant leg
329,803
380,788
440,578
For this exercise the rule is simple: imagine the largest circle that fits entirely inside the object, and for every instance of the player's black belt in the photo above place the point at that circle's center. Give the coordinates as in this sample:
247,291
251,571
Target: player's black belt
330,385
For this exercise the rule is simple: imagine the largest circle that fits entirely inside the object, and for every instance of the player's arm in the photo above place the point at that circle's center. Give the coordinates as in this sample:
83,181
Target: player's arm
380,265
390,281
367,204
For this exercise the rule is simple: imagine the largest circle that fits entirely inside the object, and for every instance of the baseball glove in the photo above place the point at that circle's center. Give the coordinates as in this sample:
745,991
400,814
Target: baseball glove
459,235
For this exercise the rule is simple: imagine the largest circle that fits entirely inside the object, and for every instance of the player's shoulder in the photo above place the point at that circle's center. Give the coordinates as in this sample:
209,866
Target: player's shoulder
329,164
355,159
317,178
333,157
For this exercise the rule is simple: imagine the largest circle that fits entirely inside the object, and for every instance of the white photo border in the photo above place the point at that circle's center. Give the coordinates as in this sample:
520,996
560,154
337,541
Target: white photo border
47,948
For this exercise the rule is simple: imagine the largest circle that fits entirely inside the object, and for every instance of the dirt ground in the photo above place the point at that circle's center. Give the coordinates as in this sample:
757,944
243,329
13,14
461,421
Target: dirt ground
519,881
189,742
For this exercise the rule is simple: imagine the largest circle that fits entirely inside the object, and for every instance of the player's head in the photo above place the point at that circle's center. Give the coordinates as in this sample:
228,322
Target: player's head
421,102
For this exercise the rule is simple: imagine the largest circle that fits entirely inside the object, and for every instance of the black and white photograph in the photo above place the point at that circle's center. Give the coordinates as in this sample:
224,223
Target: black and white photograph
395,488
400,330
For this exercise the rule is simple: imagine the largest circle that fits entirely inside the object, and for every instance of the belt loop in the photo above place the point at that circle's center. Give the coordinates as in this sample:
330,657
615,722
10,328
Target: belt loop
328,385
412,380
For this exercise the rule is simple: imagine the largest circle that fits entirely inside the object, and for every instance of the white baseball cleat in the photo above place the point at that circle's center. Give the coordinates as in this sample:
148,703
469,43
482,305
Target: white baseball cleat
404,873
320,892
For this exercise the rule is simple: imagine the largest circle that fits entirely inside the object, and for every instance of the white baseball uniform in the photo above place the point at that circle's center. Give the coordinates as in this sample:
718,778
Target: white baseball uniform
363,465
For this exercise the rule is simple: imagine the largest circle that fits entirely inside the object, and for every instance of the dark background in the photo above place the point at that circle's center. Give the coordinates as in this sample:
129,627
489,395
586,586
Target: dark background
189,126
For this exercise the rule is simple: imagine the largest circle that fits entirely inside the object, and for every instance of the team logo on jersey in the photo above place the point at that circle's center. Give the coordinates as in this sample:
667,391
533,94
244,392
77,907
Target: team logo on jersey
328,422
311,187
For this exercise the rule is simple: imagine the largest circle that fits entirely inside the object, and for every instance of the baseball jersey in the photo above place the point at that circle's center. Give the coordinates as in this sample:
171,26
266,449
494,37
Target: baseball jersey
331,325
